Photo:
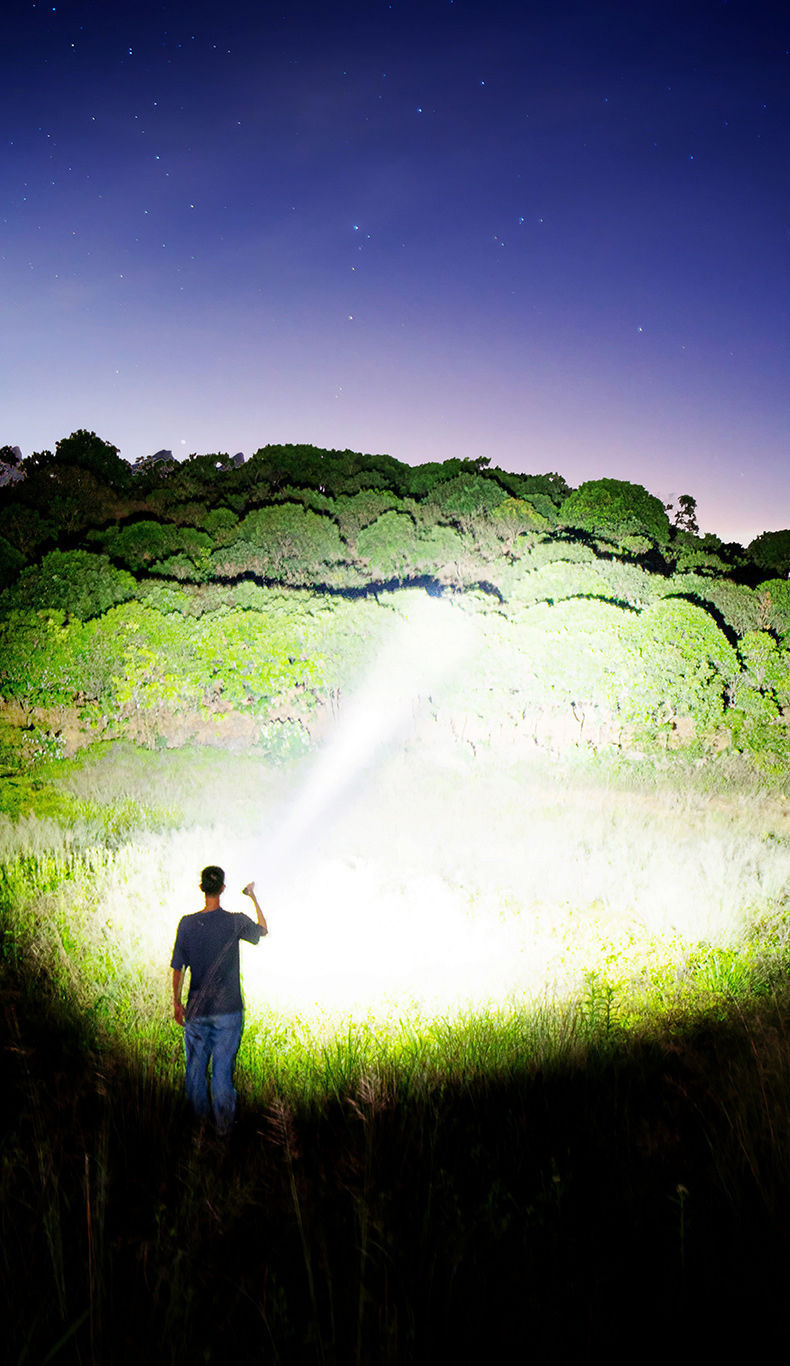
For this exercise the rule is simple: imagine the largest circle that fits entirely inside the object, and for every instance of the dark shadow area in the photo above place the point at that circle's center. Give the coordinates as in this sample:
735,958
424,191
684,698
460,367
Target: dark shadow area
373,588
628,1200
622,603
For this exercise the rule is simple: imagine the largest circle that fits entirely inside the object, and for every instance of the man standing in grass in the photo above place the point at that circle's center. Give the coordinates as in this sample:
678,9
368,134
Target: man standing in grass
208,944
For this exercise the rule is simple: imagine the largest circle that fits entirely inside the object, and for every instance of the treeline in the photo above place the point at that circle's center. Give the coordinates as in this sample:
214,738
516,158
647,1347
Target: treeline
372,516
291,514
237,602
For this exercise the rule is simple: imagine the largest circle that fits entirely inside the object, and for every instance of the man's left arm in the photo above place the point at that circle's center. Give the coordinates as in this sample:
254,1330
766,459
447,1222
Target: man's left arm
178,982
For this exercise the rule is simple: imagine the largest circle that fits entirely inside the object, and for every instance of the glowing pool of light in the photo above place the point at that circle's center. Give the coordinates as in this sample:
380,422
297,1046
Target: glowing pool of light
403,877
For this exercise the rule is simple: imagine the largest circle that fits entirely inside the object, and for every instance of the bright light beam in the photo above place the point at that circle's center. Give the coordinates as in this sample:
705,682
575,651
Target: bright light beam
428,646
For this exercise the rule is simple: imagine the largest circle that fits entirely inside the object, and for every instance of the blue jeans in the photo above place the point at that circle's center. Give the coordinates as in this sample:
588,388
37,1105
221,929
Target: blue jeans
214,1039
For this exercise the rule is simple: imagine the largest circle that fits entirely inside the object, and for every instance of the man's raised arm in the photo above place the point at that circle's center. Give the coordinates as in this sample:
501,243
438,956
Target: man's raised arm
249,891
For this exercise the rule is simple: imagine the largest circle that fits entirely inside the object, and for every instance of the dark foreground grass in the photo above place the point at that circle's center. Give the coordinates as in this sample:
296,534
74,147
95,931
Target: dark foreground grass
633,1197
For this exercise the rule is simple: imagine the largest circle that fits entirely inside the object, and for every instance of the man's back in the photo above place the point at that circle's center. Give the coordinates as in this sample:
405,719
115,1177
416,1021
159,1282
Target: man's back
208,944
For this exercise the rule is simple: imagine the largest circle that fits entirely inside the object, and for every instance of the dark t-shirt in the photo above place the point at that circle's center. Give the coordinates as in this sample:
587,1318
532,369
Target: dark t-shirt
208,944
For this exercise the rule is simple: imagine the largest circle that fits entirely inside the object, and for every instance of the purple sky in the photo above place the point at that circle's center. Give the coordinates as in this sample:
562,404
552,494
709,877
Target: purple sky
554,234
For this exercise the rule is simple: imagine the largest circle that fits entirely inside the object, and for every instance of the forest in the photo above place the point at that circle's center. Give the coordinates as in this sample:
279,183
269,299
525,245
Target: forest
229,603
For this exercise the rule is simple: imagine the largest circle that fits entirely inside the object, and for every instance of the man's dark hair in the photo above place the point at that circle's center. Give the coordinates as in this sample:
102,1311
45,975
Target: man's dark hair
212,880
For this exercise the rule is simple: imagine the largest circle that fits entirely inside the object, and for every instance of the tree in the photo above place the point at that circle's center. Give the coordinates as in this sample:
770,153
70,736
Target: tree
685,518
358,510
537,488
771,551
85,451
516,517
424,478
389,545
285,541
466,499
615,508
141,544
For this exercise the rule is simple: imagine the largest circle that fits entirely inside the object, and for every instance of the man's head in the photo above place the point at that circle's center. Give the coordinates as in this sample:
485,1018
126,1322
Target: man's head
212,880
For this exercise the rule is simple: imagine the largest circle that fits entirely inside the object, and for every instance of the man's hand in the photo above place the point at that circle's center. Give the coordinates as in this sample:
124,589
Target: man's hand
178,1013
248,890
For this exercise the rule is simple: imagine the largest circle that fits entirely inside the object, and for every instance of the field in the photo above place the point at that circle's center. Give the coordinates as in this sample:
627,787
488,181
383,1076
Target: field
514,1073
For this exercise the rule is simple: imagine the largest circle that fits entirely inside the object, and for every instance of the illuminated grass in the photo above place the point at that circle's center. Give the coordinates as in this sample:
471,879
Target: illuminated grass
450,921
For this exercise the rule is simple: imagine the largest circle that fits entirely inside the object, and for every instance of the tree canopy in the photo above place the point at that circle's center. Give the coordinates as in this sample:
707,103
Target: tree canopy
615,508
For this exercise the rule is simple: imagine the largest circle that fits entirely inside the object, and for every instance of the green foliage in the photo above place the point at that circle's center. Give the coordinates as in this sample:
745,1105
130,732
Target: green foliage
771,552
389,545
166,597
551,571
423,479
221,524
615,508
688,666
11,561
194,568
146,544
703,554
739,607
543,506
766,667
514,518
357,510
558,580
25,528
234,659
466,499
442,553
773,601
627,672
84,450
285,542
549,550
274,468
307,498
546,492
585,624
46,661
79,583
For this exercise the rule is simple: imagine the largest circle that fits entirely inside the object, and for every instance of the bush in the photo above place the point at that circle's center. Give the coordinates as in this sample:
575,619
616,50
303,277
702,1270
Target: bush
389,545
615,508
74,581
771,551
11,561
286,542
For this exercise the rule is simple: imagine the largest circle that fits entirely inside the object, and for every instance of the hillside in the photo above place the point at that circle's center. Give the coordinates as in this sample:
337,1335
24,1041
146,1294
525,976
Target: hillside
241,604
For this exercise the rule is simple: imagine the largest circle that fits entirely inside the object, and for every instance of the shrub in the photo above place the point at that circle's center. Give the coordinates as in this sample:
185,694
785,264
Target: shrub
615,508
75,581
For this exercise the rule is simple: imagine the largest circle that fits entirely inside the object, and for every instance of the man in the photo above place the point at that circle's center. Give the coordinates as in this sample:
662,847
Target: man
208,944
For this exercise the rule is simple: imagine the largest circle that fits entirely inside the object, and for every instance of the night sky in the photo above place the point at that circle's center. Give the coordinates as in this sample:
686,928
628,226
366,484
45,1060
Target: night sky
553,234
